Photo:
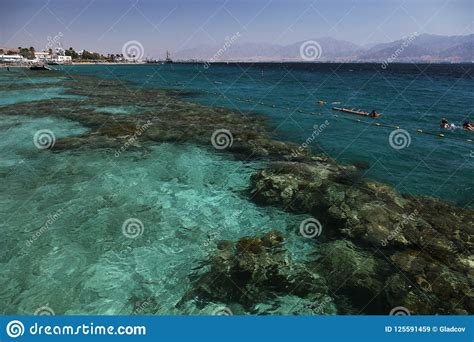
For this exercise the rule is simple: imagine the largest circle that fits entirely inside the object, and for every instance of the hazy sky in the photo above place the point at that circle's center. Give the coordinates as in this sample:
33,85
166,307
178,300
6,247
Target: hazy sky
105,25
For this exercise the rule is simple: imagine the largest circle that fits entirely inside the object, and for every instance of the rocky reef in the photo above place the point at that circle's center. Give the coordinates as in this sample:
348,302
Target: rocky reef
254,270
391,250
154,115
378,249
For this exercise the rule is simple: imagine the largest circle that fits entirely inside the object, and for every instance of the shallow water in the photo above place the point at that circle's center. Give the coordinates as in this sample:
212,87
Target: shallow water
10,97
63,213
121,110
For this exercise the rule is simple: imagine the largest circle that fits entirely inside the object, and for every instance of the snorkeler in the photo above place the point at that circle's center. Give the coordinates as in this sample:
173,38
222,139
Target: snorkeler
468,125
444,123
373,114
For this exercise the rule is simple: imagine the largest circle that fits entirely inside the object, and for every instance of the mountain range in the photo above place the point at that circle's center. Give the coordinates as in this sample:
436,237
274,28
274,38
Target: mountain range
416,48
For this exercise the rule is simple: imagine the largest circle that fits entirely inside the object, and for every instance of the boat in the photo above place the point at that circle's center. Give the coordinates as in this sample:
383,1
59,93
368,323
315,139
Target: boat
168,59
352,111
39,67
322,102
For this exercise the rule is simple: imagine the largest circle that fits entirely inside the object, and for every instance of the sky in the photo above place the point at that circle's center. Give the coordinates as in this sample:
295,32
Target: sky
106,25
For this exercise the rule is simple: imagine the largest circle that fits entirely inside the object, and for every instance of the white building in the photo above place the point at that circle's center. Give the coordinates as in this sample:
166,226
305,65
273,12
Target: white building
46,57
42,56
62,59
12,59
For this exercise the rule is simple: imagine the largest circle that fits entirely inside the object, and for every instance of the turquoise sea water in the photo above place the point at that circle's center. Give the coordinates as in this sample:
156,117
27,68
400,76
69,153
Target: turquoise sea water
410,96
10,97
62,217
62,213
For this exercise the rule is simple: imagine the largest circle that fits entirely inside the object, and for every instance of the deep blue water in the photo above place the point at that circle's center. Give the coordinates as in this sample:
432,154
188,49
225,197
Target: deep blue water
410,96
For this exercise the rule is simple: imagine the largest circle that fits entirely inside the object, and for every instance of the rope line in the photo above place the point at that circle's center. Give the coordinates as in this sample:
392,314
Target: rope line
376,124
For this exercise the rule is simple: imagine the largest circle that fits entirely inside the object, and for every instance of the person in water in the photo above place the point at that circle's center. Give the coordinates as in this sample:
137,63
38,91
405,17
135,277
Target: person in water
373,114
444,123
468,125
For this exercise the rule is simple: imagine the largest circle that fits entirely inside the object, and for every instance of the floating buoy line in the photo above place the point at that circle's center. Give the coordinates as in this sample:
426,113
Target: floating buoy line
321,102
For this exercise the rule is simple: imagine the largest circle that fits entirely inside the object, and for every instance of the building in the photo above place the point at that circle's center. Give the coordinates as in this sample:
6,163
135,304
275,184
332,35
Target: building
42,56
12,59
58,57
62,59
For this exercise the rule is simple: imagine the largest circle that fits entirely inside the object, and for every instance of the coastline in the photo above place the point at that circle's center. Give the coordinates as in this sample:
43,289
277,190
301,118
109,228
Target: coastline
248,62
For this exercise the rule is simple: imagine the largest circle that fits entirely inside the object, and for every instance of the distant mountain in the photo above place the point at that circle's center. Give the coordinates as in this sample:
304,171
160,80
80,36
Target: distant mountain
330,48
421,48
425,47
461,52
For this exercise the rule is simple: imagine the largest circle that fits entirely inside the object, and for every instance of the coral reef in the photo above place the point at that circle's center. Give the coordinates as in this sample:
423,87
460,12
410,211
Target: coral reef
380,249
254,270
164,114
427,241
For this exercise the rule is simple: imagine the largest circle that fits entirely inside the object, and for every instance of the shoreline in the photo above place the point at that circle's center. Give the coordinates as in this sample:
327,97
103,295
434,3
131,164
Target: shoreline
253,63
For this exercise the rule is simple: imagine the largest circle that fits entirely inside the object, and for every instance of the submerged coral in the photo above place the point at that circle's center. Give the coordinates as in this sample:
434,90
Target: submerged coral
427,241
254,270
380,250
